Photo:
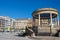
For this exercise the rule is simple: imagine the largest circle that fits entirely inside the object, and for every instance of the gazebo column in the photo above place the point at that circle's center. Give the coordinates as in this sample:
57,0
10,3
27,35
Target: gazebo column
42,22
39,20
35,28
38,24
55,21
33,21
58,20
51,24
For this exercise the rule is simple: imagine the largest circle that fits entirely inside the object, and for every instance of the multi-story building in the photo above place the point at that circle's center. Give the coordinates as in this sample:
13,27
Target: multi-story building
2,23
6,23
22,23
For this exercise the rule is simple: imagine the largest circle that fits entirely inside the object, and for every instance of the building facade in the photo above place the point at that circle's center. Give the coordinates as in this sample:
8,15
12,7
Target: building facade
22,23
6,23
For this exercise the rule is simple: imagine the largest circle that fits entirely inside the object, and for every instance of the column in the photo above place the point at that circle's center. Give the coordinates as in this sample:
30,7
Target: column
51,20
42,22
33,21
55,22
34,27
51,24
39,19
58,19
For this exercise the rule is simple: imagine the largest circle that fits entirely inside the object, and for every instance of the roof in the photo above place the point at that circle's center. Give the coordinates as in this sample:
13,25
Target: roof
23,18
45,13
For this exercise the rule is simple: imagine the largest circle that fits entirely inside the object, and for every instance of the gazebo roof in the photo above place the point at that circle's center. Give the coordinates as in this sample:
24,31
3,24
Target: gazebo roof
45,13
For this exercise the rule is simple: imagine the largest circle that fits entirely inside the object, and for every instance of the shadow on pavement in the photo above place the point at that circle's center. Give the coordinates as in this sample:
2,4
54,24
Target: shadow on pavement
21,35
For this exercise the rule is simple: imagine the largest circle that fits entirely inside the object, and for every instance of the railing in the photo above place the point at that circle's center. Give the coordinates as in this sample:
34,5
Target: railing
47,29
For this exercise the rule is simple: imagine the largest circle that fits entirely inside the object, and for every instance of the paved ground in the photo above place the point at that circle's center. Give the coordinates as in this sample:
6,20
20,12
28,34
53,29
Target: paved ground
12,36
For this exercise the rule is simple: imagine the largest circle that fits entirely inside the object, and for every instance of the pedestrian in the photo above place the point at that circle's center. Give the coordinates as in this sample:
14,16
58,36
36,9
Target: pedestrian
29,31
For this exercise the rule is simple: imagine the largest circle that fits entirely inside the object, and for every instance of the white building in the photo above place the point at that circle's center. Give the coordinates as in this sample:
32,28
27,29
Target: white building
6,23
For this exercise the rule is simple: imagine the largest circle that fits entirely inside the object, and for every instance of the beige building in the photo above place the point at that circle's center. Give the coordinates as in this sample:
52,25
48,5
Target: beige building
22,23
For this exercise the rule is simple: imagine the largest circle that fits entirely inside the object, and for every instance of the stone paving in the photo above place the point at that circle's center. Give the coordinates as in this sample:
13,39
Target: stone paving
12,36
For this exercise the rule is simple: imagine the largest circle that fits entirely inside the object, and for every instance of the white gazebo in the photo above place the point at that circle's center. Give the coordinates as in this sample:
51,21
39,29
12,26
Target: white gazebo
47,19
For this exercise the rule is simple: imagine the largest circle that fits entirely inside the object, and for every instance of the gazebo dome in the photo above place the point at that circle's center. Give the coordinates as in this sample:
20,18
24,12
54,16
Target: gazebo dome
45,13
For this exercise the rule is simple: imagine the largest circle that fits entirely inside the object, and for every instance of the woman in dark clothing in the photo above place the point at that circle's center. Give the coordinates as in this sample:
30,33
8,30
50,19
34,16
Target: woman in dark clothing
29,31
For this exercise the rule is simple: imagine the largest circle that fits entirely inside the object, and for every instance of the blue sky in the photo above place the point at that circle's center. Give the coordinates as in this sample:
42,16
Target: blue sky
24,8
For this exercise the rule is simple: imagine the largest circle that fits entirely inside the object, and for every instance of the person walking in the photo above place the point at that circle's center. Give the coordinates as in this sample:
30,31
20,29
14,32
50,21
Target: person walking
29,30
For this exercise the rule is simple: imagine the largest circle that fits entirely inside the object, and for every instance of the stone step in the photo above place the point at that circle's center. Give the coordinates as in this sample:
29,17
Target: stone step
45,38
